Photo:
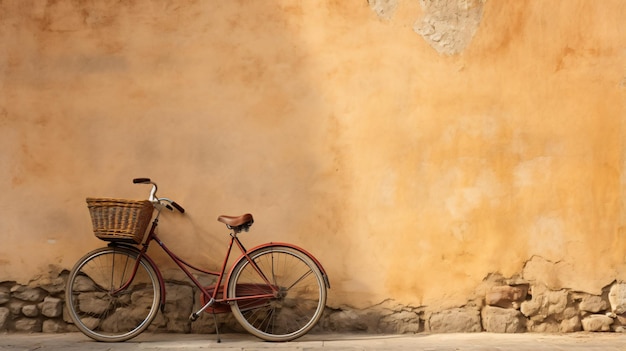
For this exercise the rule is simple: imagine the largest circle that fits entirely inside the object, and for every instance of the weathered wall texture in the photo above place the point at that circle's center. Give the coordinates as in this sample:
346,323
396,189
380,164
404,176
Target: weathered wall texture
415,152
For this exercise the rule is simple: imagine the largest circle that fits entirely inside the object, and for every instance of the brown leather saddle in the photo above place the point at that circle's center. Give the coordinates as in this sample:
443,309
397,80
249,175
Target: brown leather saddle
237,223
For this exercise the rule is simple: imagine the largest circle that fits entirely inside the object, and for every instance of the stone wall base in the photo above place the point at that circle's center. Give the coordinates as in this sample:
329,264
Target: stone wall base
500,306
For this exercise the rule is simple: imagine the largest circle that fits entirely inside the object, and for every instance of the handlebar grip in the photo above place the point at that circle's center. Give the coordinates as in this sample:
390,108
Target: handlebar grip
178,207
141,181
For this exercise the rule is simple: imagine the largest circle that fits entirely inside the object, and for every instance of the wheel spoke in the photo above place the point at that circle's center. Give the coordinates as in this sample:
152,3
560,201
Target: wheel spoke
300,279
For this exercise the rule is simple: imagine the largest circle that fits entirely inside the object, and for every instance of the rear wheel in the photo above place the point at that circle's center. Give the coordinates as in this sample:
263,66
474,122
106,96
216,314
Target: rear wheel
106,301
286,308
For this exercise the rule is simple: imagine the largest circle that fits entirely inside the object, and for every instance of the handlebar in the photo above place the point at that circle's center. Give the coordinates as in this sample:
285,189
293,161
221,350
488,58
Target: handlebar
157,200
178,207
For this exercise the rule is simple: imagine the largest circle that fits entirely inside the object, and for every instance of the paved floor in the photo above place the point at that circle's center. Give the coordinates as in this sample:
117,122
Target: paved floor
343,342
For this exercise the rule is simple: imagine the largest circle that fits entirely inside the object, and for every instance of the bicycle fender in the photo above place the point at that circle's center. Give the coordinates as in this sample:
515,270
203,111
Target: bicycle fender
154,266
308,254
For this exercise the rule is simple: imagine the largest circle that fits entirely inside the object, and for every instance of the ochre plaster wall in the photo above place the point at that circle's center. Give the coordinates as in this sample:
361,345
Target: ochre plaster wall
411,174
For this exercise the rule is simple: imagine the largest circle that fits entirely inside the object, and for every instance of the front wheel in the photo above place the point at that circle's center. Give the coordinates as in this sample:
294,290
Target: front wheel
111,296
277,295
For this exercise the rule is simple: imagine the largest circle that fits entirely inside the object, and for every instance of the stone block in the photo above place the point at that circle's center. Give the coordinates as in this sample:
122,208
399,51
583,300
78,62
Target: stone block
347,320
547,326
506,296
621,319
569,312
557,302
5,315
456,320
28,325
352,320
84,284
28,294
16,307
160,323
545,303
619,323
531,308
53,285
53,326
400,323
617,298
67,319
90,322
178,306
52,307
30,311
570,325
593,304
597,322
204,324
502,320
5,296
94,302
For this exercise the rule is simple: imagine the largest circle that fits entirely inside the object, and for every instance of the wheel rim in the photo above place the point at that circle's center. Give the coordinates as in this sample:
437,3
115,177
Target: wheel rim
97,305
299,294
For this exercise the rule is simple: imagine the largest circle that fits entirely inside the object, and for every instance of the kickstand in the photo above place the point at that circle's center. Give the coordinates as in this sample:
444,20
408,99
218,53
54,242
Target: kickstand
217,329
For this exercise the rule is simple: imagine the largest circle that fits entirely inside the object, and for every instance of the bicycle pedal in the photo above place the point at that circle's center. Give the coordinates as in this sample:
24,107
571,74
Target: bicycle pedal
193,317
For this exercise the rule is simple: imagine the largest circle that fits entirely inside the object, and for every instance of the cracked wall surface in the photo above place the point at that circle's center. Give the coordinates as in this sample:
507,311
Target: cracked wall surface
412,165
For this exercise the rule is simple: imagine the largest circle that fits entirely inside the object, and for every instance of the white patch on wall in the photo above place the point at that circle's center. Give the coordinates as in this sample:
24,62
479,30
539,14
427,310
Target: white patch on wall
486,188
463,201
527,173
388,188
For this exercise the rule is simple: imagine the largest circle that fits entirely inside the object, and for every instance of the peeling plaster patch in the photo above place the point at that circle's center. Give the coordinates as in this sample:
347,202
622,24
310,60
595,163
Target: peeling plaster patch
486,187
384,8
449,25
538,269
553,275
463,201
388,189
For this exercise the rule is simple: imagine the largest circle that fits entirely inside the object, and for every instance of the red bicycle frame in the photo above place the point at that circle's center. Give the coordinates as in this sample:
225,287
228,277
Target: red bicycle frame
210,295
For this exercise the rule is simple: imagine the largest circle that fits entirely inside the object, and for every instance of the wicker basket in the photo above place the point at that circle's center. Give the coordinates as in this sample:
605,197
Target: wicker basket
120,220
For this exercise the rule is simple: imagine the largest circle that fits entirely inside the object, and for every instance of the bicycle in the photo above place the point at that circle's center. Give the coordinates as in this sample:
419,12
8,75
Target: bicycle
276,291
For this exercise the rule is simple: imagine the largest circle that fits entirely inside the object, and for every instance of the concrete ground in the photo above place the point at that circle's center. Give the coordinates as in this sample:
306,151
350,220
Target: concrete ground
343,342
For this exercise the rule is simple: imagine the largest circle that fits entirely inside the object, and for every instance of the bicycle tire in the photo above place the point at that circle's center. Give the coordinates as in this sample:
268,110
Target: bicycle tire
103,314
295,307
